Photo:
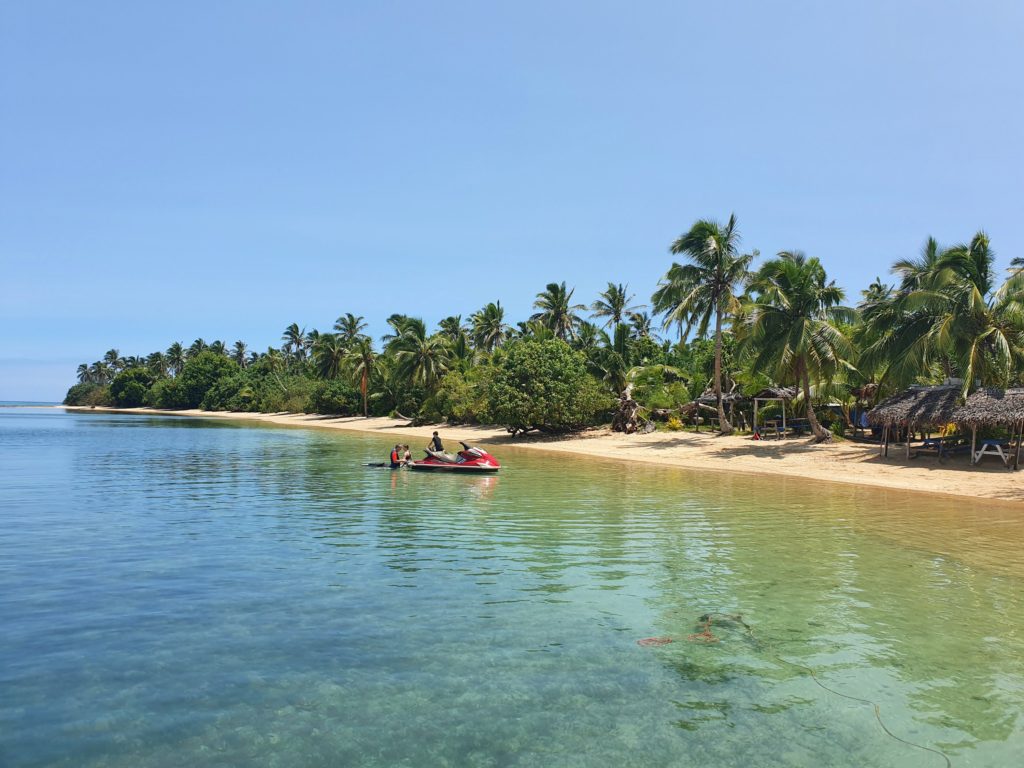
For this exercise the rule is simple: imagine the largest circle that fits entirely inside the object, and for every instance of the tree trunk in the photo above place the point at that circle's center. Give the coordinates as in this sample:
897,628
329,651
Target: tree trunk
362,386
724,427
625,419
820,435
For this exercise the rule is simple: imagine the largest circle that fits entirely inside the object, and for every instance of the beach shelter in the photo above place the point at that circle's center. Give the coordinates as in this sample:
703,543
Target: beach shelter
913,409
994,408
774,394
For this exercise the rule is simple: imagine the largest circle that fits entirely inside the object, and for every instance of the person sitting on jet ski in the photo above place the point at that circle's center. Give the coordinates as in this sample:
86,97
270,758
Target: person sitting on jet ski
435,444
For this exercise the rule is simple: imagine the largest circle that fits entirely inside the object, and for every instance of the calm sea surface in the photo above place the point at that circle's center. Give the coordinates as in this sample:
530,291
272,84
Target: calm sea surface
196,593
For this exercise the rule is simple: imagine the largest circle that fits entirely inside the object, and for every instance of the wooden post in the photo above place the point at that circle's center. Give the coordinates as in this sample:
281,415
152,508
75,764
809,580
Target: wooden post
783,417
885,442
1016,456
909,433
974,436
755,415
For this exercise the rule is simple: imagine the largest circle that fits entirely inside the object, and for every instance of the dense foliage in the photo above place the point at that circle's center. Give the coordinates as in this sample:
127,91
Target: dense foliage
741,326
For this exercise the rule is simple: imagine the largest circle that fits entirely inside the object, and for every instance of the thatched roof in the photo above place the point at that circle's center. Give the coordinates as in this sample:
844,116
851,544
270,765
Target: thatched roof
786,393
922,406
708,398
992,407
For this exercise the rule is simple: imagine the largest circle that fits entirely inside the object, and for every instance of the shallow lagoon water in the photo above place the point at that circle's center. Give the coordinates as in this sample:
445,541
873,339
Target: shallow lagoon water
183,592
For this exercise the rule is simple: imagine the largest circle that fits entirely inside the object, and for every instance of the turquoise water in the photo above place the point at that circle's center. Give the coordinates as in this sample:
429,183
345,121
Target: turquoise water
196,593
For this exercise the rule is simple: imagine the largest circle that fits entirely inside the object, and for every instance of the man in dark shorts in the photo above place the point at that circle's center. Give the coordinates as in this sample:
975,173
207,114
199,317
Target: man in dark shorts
396,457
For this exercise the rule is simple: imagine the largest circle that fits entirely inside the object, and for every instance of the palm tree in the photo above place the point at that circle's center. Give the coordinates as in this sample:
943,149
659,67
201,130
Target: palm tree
452,327
489,328
792,326
420,359
294,339
176,357
613,303
950,315
705,287
239,353
83,373
329,355
363,361
218,347
640,326
157,363
100,372
197,347
113,360
557,311
350,328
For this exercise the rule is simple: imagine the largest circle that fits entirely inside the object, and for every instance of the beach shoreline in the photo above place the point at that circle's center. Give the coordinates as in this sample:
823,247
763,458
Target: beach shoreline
842,462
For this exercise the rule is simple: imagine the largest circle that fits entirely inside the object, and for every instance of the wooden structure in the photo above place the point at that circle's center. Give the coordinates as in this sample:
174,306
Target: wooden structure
913,409
988,408
770,394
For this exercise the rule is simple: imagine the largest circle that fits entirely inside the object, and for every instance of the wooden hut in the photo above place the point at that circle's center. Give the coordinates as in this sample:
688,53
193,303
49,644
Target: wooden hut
988,408
913,409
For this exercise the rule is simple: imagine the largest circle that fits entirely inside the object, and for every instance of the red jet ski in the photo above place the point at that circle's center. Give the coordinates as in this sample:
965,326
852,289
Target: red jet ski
469,461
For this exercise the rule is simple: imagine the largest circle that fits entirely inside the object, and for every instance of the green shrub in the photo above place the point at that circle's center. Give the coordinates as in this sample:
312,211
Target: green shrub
88,394
129,388
461,398
334,397
223,394
544,385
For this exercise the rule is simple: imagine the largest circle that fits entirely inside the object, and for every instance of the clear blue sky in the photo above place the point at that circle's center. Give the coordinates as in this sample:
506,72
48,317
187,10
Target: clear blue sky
174,170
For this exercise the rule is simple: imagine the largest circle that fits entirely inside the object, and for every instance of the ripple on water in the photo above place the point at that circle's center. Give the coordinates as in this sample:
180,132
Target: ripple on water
185,592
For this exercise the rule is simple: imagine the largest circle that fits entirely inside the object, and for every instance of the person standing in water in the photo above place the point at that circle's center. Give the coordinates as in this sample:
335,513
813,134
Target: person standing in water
396,456
406,455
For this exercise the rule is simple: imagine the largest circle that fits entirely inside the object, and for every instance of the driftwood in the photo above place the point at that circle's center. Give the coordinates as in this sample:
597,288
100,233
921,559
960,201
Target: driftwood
627,414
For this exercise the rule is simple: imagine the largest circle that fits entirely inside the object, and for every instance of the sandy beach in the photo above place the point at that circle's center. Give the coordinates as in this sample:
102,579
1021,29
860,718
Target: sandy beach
843,461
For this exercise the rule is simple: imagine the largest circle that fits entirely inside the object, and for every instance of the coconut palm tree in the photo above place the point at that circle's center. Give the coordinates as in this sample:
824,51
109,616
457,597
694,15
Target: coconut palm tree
329,355
420,359
557,311
614,304
218,347
350,328
157,363
792,327
362,361
113,360
640,326
196,348
489,328
294,339
176,357
950,314
239,353
452,327
704,288
100,373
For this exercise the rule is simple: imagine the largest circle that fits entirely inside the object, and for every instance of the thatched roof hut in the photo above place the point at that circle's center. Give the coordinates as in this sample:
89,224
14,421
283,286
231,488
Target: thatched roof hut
992,408
917,406
775,393
708,398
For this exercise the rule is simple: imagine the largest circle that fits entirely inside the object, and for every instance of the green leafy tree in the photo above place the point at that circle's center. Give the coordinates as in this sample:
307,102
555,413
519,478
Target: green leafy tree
544,386
329,352
200,374
350,328
176,357
129,387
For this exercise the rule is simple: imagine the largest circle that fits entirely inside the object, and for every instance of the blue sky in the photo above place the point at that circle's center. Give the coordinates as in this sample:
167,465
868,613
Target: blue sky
174,170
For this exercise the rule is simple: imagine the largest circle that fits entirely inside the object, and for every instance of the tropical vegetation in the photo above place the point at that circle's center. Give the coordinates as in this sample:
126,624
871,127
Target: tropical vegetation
720,323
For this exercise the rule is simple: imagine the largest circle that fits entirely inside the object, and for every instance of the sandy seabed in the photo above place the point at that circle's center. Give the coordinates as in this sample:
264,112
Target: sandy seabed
841,461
